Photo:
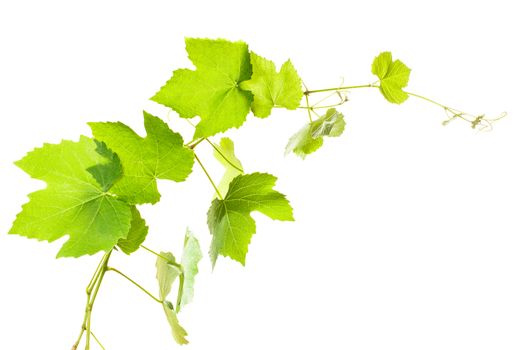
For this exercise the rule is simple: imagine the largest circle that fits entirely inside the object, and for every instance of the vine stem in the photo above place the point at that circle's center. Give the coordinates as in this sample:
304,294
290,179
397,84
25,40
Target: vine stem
135,283
373,85
457,113
208,176
322,107
192,144
216,148
308,106
161,256
181,276
92,291
97,341
453,110
340,88
180,290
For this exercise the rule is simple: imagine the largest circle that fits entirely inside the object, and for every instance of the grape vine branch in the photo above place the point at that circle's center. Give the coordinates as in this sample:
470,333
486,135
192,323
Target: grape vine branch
96,184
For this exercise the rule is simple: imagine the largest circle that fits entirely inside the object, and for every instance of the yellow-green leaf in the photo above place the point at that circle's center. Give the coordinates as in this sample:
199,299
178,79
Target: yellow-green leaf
77,201
393,76
271,88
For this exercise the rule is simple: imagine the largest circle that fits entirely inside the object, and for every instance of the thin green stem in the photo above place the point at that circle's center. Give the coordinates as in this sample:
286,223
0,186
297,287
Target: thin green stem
192,144
340,88
325,98
77,342
453,113
474,120
135,283
321,107
95,291
161,256
208,176
216,148
434,102
95,276
98,341
308,106
188,121
88,334
180,290
94,284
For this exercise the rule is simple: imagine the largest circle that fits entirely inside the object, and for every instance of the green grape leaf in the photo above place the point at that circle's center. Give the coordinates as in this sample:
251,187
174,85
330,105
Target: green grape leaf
160,155
178,332
137,233
271,88
189,261
167,274
233,166
393,76
76,201
212,90
229,218
310,138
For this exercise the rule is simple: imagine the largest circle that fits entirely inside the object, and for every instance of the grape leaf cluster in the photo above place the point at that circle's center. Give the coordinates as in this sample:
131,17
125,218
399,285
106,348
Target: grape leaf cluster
95,185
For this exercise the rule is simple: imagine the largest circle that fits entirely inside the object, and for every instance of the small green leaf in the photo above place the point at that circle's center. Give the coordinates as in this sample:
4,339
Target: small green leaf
393,76
310,138
167,274
160,155
271,88
137,233
178,332
232,167
229,219
75,202
189,261
212,90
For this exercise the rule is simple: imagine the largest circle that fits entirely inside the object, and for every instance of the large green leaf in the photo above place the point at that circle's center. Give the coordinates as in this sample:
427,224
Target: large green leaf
310,138
211,91
166,274
77,201
271,88
393,76
160,155
229,218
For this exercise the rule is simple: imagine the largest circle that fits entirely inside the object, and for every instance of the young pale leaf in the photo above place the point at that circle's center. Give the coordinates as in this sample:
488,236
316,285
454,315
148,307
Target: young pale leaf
212,90
310,138
233,166
178,332
189,261
160,155
229,219
167,274
271,88
137,233
76,201
393,76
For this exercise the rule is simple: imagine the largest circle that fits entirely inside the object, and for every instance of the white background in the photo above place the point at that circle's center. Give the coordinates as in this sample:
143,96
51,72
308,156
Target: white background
407,234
